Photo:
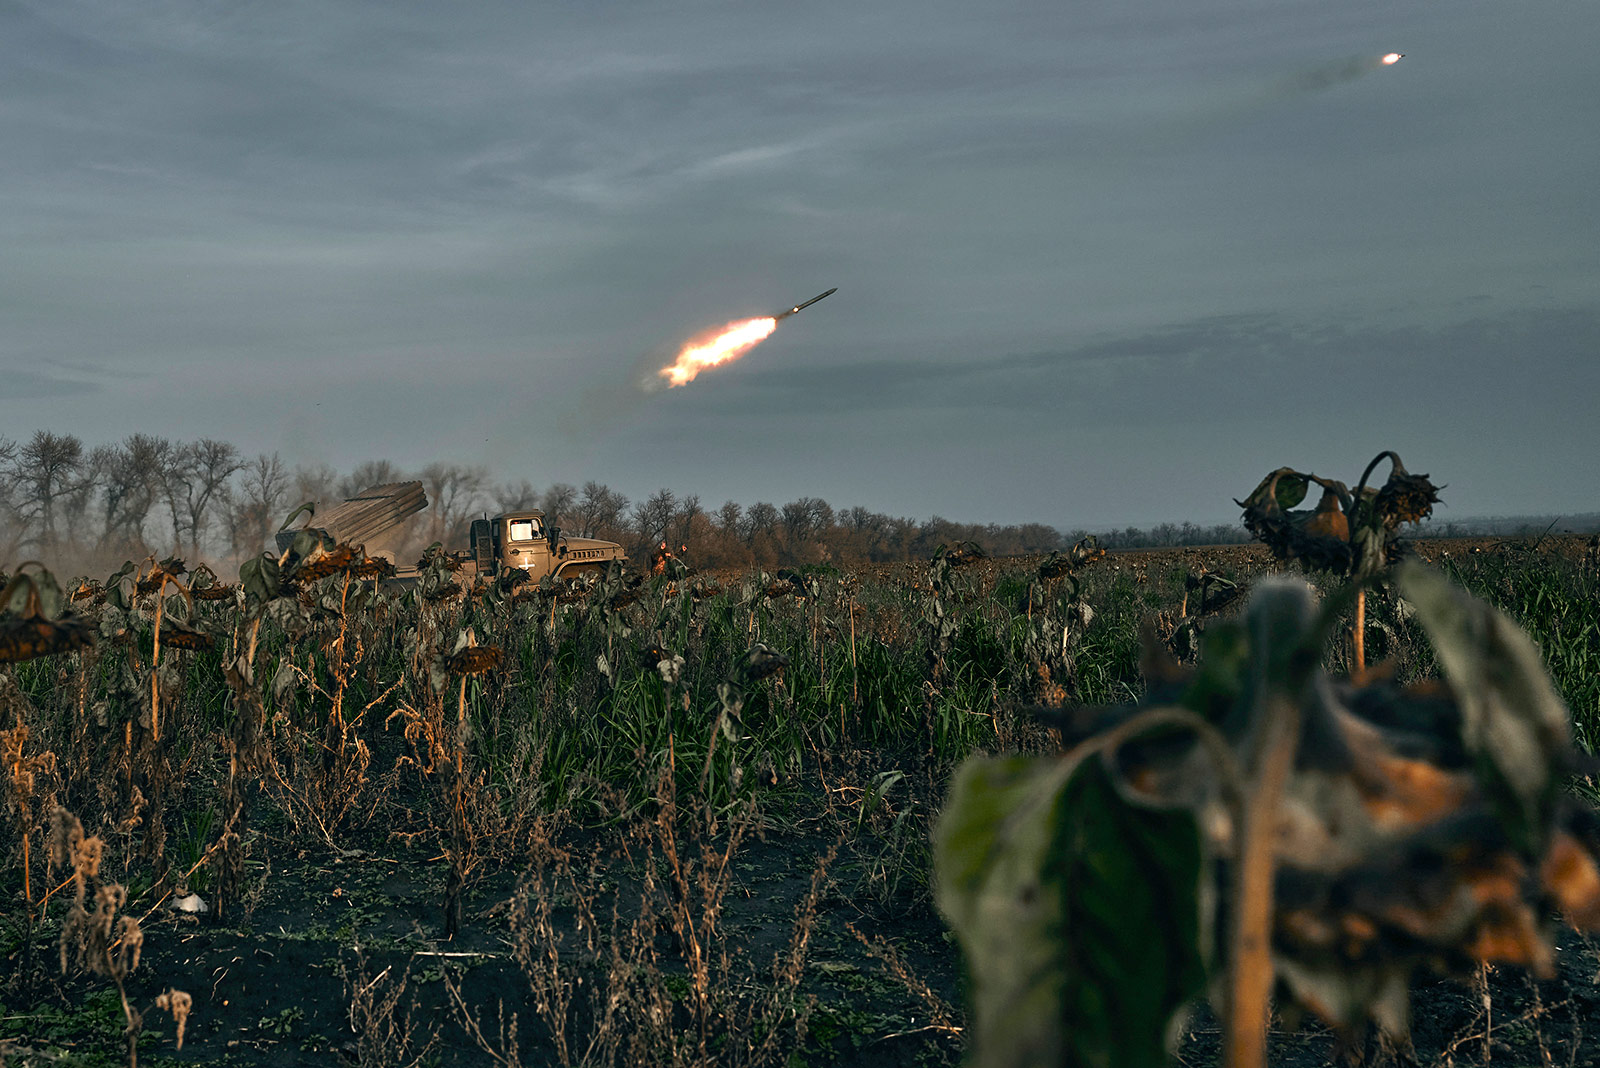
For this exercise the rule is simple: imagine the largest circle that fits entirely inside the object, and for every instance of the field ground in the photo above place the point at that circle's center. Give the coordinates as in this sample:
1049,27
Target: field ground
658,898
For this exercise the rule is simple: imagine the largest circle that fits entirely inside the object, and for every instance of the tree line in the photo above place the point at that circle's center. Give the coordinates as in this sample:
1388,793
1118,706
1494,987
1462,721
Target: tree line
88,508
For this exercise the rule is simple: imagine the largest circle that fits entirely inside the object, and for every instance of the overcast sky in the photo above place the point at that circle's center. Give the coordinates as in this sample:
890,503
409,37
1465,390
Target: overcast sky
1098,262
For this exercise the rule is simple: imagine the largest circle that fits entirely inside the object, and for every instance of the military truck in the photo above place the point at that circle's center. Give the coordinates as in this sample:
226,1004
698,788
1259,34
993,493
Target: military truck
519,541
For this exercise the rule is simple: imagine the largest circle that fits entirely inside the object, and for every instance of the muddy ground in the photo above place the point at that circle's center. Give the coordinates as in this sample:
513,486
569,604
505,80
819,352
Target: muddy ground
281,989
278,990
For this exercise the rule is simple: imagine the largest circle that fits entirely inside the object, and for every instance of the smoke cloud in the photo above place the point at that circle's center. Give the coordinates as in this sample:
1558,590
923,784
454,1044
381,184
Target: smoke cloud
1326,76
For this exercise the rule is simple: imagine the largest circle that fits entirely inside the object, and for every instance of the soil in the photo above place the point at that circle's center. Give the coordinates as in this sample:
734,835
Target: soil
278,990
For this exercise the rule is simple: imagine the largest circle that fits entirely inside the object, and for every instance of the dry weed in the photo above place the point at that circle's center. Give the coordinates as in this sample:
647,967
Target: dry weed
608,992
104,939
383,1018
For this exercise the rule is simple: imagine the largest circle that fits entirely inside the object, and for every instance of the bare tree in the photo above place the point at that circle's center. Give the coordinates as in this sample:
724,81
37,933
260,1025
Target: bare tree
131,480
254,511
806,519
900,538
175,472
761,533
688,521
723,545
760,518
699,536
454,492
47,471
652,517
212,464
8,474
315,484
600,510
558,502
515,496
10,528
50,486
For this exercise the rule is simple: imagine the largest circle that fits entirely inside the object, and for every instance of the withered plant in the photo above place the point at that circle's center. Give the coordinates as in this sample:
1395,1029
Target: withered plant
1057,613
313,595
23,804
604,989
382,1012
1256,824
35,621
443,754
102,937
1357,535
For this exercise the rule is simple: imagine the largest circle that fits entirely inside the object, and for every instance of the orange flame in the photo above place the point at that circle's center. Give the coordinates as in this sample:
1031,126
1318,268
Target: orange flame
735,340
1392,58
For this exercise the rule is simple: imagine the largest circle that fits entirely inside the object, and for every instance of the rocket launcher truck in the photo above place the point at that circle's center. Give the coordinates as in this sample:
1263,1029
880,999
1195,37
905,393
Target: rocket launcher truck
511,541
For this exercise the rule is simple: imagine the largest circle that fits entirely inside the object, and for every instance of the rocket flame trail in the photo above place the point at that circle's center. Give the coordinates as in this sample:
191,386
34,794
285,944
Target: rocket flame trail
1392,58
734,341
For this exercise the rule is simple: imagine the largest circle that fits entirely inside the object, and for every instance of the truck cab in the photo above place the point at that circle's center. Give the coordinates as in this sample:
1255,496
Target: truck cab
522,540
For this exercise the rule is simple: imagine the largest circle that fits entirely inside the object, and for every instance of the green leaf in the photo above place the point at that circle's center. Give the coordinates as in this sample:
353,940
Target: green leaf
259,577
306,544
120,586
1372,546
1222,674
38,583
1512,719
309,509
1290,490
1078,911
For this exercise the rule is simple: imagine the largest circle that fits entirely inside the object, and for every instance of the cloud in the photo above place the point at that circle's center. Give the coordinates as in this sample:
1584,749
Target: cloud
755,157
23,384
1255,365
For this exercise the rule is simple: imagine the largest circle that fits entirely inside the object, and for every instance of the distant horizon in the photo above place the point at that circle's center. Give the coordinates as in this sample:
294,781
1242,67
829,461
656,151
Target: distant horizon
499,480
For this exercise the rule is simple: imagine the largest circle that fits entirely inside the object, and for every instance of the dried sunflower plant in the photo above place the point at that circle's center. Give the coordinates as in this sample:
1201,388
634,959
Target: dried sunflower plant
1348,534
1257,825
97,933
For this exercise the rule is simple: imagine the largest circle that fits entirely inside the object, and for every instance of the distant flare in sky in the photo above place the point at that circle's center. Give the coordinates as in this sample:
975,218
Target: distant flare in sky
1323,76
733,341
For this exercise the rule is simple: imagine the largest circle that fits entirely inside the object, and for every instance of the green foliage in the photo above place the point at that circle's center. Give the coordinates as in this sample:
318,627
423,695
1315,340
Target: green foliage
1078,911
1557,603
1512,720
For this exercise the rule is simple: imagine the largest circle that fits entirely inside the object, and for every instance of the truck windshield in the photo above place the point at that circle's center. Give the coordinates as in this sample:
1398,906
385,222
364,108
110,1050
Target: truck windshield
525,530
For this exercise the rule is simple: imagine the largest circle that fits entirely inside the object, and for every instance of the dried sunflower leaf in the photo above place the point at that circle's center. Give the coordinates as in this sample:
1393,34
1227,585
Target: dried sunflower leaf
30,638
